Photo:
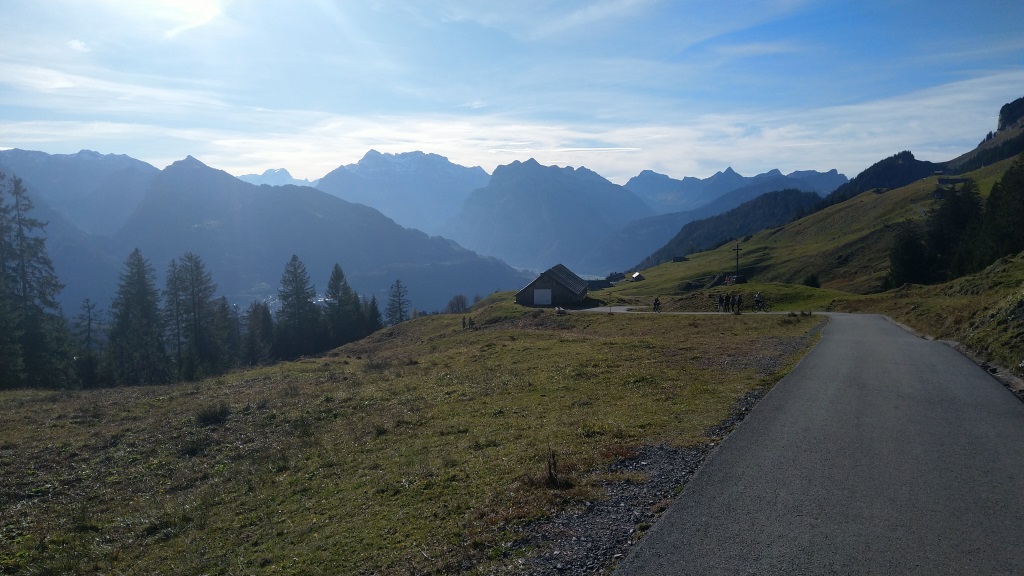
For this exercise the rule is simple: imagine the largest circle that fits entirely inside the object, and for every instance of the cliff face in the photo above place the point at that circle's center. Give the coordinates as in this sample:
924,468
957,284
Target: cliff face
1011,113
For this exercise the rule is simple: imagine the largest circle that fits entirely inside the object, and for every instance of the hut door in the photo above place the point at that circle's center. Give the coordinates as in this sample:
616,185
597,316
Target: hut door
542,297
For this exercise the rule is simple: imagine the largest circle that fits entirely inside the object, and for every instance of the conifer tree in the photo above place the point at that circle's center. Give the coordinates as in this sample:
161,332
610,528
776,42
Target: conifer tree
398,304
12,369
86,328
258,343
951,230
1002,230
135,350
174,317
35,345
203,352
342,309
298,320
908,261
371,317
227,335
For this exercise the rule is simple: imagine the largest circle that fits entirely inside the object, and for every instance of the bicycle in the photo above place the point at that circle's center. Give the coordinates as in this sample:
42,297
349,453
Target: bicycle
761,306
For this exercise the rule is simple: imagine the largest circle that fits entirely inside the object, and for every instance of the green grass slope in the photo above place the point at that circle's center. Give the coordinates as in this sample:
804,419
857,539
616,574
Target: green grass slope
846,245
420,450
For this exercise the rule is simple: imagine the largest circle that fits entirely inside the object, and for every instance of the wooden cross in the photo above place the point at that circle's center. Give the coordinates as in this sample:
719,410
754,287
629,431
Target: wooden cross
737,251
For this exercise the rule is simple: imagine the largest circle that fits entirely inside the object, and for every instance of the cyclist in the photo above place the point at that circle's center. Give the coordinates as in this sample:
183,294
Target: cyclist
759,303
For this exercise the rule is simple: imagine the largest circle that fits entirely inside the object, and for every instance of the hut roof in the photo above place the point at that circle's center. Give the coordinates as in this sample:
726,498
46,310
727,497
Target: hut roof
567,278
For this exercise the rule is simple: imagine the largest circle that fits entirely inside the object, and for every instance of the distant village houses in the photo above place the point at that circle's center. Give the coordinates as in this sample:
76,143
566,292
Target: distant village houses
558,286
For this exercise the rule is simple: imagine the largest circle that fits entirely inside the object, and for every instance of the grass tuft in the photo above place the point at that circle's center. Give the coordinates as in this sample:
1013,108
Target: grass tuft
213,414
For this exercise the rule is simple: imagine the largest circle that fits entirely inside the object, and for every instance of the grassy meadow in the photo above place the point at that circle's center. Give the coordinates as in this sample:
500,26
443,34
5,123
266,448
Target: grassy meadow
427,448
423,449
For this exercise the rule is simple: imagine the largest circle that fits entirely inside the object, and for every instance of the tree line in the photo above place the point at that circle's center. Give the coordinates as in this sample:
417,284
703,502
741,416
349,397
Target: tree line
152,335
963,235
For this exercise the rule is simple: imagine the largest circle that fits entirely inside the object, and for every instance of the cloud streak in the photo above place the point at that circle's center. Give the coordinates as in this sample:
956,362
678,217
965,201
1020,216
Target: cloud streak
937,124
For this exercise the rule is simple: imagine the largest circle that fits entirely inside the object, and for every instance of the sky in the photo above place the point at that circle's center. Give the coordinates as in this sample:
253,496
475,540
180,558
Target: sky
681,87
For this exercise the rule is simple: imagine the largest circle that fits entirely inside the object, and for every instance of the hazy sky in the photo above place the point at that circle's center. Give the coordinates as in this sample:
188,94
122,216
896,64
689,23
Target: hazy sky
685,88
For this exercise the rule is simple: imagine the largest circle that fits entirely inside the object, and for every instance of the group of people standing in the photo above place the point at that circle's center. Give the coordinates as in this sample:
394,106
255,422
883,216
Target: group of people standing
730,302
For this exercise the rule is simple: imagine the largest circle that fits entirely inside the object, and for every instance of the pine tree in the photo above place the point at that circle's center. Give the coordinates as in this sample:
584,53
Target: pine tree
1002,232
371,317
298,320
12,369
227,334
951,230
203,351
342,310
174,317
398,304
36,343
87,362
908,261
258,343
135,350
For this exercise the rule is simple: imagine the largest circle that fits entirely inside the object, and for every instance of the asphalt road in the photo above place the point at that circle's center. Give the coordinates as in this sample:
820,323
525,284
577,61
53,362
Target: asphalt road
880,453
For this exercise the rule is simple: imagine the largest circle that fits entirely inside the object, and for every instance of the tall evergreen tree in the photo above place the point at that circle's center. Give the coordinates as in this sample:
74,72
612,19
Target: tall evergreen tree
86,328
189,312
371,317
227,334
175,304
397,310
1002,231
908,262
258,343
342,309
298,320
135,350
12,369
204,350
951,230
35,330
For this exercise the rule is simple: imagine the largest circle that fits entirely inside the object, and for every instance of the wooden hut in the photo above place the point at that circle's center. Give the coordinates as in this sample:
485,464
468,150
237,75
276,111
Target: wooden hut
558,286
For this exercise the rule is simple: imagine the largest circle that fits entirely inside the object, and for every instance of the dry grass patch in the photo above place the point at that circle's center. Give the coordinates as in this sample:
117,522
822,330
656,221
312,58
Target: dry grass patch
419,450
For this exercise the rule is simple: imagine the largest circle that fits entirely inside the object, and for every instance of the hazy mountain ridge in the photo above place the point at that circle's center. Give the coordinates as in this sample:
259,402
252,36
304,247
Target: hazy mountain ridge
668,195
246,233
416,189
535,216
95,192
764,211
276,177
635,241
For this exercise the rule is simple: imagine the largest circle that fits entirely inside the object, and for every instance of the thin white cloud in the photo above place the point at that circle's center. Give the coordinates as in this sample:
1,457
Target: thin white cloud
588,16
745,50
176,16
77,46
49,88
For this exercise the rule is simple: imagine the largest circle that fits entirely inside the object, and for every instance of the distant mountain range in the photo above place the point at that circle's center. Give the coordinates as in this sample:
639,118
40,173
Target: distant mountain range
276,177
245,234
765,211
95,192
415,189
535,216
667,195
367,217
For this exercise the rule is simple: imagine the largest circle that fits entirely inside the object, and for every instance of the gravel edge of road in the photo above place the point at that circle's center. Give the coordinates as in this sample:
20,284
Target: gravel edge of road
594,537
